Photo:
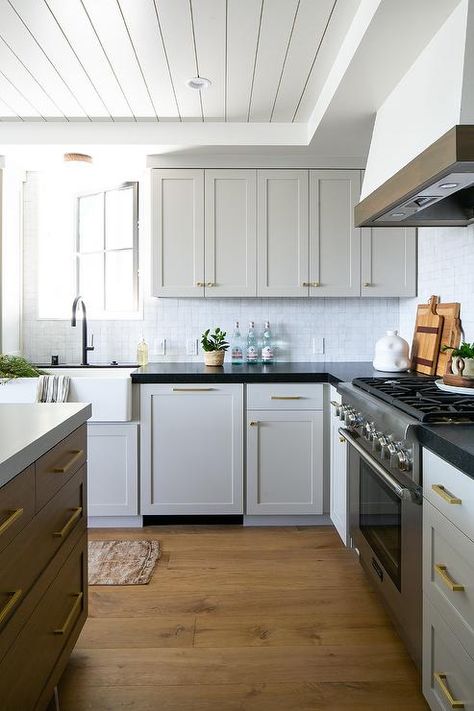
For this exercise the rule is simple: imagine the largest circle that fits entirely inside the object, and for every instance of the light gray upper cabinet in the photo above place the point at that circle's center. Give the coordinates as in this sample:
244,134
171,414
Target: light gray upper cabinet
178,232
282,233
334,242
230,233
389,261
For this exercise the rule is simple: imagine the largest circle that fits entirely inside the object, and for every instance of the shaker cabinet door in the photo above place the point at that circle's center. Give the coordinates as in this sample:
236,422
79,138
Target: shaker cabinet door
177,198
282,233
334,242
231,233
339,502
389,261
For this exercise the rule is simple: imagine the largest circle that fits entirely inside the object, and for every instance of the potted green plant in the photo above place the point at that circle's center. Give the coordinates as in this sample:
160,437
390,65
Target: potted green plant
214,346
462,359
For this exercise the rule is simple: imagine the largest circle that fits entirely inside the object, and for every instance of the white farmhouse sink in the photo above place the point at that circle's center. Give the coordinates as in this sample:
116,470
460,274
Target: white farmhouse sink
109,390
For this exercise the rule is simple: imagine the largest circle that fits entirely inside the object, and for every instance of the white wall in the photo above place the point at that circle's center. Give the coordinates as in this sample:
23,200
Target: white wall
434,95
350,327
446,269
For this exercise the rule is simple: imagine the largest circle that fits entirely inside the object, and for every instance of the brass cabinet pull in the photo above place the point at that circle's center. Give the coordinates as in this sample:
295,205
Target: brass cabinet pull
367,283
14,516
286,397
442,571
192,390
454,703
449,498
315,283
211,283
342,440
306,283
8,607
200,283
71,614
77,456
253,423
77,512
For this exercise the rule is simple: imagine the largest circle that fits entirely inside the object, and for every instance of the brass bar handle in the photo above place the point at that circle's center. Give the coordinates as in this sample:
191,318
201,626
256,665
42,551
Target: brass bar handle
77,513
200,283
315,284
253,423
77,455
8,607
454,703
192,390
71,614
210,283
286,397
442,571
367,283
342,439
445,494
14,516
306,283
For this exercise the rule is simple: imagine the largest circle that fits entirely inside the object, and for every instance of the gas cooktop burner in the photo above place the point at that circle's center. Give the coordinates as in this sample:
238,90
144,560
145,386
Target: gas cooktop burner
420,398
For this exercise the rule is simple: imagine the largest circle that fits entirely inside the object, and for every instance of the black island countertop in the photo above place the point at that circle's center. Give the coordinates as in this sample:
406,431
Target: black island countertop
454,443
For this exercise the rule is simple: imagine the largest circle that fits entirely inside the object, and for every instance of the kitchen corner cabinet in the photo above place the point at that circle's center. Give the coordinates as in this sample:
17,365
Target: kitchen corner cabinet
388,261
113,469
191,449
339,501
284,449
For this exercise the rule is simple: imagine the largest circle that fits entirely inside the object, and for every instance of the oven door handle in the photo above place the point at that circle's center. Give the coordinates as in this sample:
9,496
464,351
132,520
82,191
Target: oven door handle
401,491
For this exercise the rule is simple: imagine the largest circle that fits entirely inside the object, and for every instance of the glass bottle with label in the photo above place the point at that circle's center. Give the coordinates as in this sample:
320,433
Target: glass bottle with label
252,347
267,345
237,348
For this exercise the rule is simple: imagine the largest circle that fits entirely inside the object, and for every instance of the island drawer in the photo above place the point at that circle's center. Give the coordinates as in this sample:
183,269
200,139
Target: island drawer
285,396
17,505
450,491
23,561
60,613
58,465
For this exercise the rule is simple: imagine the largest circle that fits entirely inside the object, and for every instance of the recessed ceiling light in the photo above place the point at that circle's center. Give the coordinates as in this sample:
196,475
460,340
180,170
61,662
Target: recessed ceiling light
198,83
448,186
398,214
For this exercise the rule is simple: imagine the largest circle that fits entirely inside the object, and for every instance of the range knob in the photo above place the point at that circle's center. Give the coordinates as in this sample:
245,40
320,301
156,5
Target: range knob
369,431
402,457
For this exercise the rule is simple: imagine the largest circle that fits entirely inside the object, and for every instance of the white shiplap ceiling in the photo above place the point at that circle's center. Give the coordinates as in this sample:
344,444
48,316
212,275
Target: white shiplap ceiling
112,60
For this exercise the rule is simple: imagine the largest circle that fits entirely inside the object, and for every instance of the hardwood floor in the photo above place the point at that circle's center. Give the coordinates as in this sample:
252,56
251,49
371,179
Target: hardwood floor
241,619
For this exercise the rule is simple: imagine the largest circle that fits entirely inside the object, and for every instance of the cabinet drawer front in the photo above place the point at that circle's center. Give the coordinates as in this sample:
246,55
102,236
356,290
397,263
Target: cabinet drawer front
450,491
58,465
448,670
17,505
448,573
285,396
60,613
25,558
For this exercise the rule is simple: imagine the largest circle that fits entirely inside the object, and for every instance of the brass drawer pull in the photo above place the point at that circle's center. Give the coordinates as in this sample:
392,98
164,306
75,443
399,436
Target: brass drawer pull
315,284
342,439
192,390
367,283
200,283
253,423
306,283
454,703
211,283
77,455
286,397
77,513
8,607
71,615
442,571
449,498
14,516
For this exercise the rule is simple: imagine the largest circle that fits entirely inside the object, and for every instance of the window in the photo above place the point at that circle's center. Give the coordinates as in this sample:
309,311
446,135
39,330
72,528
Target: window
107,250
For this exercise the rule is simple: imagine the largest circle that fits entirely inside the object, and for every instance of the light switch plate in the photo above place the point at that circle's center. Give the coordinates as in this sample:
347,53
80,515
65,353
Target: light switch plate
318,345
160,347
191,347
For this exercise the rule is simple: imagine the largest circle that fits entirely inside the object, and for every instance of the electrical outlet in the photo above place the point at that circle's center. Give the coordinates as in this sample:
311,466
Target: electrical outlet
318,345
160,347
191,347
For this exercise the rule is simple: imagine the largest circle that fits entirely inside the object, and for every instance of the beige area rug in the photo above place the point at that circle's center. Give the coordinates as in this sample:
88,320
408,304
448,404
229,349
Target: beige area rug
122,562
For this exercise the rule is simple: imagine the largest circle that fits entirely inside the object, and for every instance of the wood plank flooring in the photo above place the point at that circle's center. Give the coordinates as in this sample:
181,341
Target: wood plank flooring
241,619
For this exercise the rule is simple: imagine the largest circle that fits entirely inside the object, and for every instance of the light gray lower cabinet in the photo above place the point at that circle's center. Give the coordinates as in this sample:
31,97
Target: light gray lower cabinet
191,449
112,488
284,457
339,499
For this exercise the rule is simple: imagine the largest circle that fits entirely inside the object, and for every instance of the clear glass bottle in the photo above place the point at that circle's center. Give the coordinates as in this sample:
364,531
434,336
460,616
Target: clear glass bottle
252,346
267,344
142,352
237,346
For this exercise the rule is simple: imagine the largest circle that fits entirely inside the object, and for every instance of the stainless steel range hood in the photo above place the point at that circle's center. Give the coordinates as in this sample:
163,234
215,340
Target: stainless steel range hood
434,189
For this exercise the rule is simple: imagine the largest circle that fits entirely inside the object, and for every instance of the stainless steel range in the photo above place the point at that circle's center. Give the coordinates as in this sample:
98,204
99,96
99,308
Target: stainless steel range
378,421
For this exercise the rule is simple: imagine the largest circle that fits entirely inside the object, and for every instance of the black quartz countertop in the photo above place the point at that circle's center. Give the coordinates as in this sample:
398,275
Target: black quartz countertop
289,372
454,443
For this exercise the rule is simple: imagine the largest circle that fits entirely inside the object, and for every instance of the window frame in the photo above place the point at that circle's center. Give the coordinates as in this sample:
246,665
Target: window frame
104,313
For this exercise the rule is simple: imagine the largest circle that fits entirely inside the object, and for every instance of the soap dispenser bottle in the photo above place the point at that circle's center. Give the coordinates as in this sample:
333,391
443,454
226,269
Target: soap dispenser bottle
142,352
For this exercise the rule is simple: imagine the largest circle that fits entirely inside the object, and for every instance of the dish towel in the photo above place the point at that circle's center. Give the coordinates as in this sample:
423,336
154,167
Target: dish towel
52,388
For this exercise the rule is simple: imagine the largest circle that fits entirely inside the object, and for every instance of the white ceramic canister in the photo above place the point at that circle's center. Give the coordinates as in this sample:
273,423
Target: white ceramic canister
391,353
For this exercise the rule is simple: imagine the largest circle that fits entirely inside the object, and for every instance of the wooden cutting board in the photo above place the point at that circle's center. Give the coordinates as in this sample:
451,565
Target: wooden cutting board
426,339
452,330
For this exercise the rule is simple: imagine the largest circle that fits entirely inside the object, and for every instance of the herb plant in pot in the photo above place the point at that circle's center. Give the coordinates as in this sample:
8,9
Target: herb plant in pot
214,346
462,359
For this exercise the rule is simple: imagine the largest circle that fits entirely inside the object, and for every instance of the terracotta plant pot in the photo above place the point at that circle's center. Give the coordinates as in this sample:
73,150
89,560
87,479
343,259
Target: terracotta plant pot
214,358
